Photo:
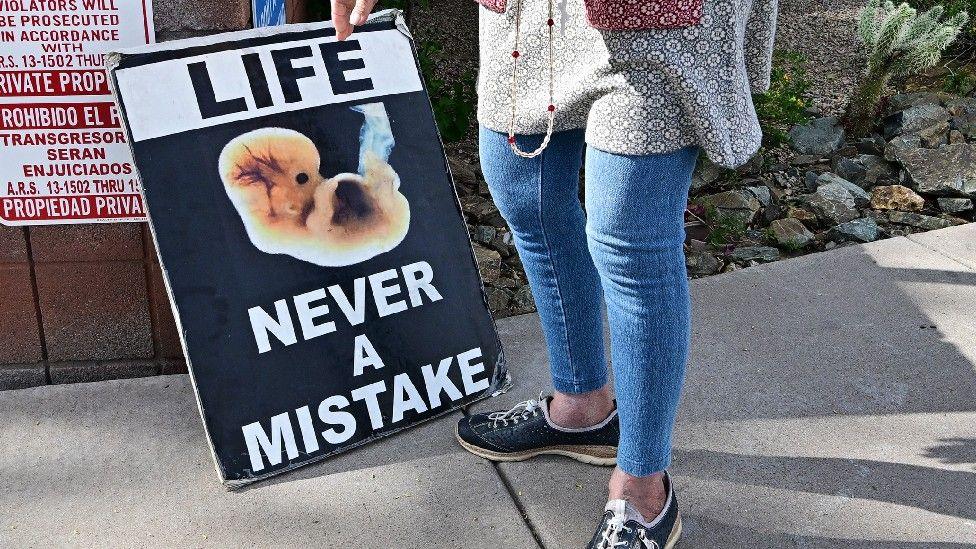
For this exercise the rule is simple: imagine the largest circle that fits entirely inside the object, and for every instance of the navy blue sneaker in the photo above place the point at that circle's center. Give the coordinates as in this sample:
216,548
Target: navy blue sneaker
623,527
526,431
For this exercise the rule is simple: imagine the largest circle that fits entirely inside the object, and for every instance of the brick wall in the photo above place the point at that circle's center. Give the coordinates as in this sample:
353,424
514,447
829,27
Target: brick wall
87,302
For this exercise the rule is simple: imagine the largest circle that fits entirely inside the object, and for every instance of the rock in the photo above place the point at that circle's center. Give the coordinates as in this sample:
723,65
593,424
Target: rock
773,212
489,263
479,208
904,101
900,144
505,282
464,175
915,119
861,198
866,170
870,145
740,204
761,193
482,234
850,169
761,254
864,229
946,171
963,111
522,301
502,243
706,173
805,160
753,166
896,197
498,298
702,263
821,136
810,181
925,222
956,136
801,214
790,233
878,169
787,182
737,199
935,135
955,205
832,203
752,236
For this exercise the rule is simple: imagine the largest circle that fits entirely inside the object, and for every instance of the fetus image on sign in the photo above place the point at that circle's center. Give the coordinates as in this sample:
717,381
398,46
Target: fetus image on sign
288,207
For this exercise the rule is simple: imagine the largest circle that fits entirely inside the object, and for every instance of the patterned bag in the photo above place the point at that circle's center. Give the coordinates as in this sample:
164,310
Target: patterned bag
631,14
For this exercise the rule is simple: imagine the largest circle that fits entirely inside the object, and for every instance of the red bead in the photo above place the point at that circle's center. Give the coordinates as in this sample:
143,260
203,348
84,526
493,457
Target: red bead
552,108
515,53
511,139
550,22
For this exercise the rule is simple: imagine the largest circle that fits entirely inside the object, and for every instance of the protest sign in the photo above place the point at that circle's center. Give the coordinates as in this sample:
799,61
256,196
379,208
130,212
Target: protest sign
63,156
311,238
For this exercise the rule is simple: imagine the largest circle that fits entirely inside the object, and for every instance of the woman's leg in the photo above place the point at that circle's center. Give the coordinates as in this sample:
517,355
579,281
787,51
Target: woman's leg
635,233
539,198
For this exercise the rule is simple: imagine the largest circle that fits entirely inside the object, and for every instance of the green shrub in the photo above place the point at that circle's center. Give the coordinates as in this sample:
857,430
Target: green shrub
966,41
785,103
900,42
959,81
454,104
724,229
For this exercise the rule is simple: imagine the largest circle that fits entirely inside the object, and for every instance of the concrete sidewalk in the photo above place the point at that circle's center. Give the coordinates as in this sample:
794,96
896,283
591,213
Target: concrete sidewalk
830,402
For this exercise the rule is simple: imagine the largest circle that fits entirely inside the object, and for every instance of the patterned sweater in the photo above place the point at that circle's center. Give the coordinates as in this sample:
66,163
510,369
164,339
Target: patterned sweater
635,91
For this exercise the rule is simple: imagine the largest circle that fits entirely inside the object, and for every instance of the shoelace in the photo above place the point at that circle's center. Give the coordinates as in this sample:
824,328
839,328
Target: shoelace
615,527
522,410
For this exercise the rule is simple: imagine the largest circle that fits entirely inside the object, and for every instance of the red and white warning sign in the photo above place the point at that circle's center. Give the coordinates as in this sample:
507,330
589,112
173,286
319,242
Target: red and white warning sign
63,156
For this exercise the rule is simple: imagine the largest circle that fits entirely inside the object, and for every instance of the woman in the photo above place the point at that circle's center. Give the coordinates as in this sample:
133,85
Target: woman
640,86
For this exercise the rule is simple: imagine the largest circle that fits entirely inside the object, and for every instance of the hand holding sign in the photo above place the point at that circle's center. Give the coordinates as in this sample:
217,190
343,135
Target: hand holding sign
348,13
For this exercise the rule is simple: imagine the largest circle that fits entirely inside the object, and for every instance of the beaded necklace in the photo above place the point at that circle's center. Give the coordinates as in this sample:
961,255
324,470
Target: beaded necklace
552,103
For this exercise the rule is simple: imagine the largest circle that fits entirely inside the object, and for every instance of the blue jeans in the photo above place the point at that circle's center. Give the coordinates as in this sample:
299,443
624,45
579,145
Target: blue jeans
627,250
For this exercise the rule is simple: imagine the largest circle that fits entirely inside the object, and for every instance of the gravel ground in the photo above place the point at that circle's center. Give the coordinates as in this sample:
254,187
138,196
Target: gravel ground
825,33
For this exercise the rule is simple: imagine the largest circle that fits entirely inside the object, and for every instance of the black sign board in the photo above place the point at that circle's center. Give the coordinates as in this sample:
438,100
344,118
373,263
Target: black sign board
311,238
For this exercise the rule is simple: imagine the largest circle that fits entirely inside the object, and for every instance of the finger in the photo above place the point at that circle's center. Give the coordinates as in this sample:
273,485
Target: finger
361,13
340,19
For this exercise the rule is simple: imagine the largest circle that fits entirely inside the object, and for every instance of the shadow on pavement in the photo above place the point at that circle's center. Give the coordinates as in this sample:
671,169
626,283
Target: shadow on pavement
830,401
954,451
940,491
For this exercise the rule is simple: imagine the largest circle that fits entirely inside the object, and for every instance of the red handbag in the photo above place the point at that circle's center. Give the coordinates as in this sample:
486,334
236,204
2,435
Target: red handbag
631,14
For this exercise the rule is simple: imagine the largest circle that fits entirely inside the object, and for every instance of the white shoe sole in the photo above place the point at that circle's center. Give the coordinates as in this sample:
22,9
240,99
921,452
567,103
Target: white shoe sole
675,533
604,456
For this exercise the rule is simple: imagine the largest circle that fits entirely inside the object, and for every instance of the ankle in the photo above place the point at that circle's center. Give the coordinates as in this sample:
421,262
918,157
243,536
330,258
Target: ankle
647,494
581,410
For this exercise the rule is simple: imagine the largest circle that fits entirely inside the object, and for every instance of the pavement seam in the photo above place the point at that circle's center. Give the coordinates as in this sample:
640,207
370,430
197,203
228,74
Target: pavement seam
518,504
513,494
37,306
964,263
